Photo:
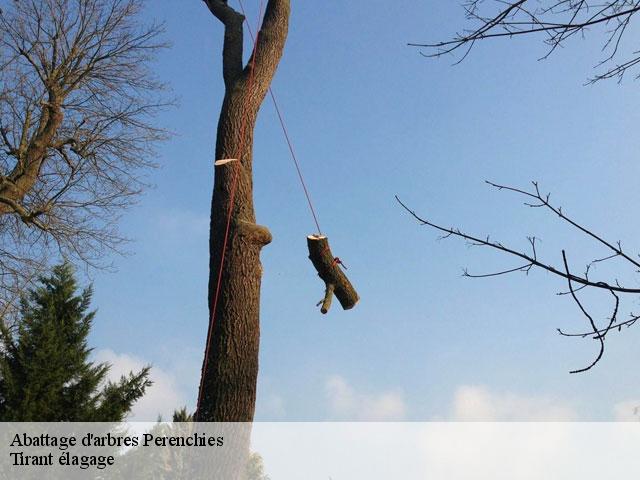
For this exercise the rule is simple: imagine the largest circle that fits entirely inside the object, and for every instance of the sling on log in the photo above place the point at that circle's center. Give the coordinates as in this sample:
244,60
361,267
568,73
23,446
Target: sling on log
330,272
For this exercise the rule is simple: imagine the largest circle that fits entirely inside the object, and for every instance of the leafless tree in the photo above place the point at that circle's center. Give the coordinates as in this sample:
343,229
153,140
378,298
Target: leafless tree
556,21
531,259
77,101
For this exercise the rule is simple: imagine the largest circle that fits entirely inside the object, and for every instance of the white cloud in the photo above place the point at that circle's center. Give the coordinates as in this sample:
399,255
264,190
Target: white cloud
348,404
627,411
478,403
162,398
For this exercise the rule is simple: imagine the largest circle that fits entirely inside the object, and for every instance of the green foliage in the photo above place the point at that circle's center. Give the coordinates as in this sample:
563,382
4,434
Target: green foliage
45,372
182,415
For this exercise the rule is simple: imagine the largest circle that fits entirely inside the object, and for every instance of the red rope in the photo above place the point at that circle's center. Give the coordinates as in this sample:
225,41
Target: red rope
286,136
295,160
234,185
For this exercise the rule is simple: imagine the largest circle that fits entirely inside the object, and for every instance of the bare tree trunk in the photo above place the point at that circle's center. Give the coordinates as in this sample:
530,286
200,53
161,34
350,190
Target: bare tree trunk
229,380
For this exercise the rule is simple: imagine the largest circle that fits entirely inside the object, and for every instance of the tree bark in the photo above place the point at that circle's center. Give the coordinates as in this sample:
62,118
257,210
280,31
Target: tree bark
328,268
229,380
30,157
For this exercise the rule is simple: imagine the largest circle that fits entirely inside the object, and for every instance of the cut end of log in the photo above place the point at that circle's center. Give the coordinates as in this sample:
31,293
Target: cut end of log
224,161
328,268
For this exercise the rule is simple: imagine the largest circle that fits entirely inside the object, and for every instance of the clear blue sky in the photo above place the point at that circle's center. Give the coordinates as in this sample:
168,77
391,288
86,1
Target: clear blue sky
371,118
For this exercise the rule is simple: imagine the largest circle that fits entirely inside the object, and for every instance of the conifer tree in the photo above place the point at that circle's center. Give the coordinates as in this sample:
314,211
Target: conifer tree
45,371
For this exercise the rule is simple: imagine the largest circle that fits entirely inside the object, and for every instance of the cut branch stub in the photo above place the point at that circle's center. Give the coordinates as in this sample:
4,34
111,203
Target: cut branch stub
329,271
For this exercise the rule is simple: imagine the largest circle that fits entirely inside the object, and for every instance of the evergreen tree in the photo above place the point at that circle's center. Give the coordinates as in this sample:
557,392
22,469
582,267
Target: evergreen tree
45,372
182,415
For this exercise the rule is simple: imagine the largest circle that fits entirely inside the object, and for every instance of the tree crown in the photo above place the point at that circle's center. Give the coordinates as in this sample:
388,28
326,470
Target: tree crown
45,371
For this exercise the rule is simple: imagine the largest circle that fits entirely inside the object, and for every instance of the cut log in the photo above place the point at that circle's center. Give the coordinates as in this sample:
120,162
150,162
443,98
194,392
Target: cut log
328,268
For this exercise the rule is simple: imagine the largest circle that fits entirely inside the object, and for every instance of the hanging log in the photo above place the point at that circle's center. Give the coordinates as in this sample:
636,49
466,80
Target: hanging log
328,268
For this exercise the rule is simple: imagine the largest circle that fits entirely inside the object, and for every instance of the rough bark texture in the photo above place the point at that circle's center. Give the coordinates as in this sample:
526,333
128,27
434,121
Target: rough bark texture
328,268
24,175
229,380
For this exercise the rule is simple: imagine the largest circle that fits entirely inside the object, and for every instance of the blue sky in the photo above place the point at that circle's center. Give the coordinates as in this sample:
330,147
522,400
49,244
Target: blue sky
371,118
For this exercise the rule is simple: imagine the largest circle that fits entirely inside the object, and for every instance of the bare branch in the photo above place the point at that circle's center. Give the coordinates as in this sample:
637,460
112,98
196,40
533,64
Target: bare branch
528,258
557,20
612,327
544,202
532,260
600,338
524,268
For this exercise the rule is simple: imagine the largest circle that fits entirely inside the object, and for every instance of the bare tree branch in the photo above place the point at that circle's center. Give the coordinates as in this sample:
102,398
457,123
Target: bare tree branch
557,20
532,260
527,257
615,326
599,337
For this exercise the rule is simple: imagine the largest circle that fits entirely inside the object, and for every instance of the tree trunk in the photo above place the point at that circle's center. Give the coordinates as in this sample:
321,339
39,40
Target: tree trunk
230,369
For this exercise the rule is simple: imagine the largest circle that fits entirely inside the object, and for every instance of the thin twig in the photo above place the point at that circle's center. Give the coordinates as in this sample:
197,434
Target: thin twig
600,338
